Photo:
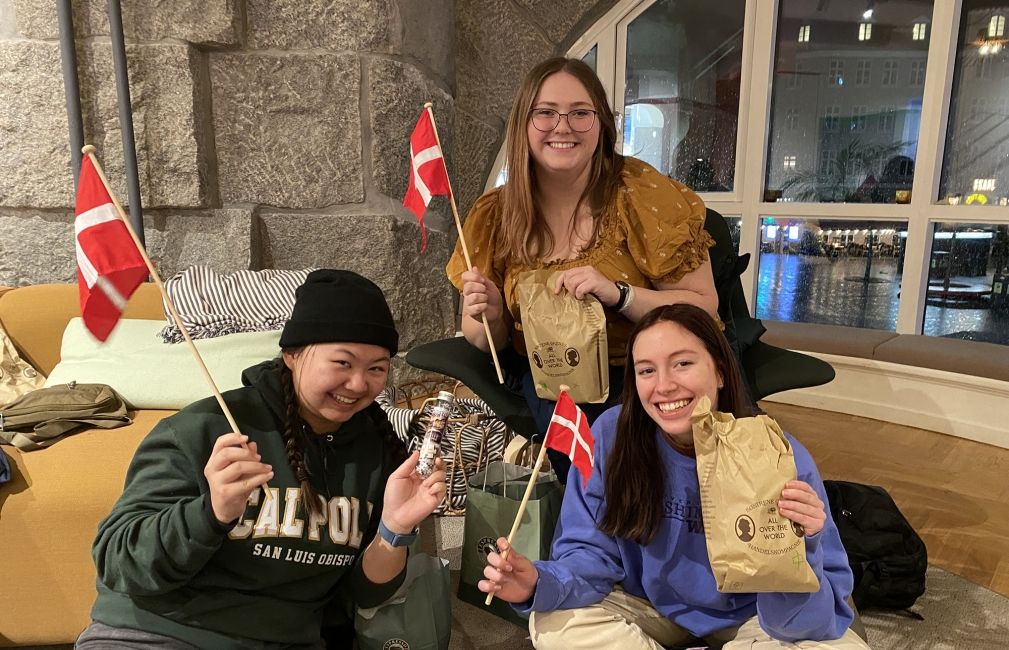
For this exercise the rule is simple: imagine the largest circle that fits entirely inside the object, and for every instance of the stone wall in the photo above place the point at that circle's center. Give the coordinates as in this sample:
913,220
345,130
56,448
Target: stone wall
270,133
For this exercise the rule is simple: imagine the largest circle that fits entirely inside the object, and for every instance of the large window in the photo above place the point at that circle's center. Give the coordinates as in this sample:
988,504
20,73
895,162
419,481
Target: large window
978,114
868,164
838,272
850,175
681,89
968,282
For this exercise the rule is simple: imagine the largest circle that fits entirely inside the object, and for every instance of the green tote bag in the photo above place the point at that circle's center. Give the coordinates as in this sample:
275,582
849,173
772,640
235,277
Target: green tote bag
492,501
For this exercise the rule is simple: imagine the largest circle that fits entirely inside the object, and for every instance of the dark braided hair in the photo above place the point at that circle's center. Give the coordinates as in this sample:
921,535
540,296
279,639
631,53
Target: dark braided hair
294,441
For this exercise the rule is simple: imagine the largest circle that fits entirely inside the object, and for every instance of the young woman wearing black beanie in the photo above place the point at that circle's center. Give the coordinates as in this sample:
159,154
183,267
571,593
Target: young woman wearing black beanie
213,545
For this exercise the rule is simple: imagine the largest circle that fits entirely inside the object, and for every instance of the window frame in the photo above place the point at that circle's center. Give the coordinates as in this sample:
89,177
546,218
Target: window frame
746,200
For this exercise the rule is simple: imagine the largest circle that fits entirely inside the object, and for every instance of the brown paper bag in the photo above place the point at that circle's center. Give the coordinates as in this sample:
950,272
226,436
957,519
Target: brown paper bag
742,466
565,339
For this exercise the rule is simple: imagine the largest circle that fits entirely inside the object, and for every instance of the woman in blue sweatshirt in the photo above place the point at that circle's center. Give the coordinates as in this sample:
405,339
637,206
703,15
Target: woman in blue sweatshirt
629,565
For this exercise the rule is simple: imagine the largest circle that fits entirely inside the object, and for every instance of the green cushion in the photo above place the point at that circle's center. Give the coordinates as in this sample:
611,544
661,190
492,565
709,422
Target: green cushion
151,374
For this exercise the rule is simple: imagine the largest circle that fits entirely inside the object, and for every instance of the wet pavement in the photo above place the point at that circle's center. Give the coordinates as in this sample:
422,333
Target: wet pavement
847,291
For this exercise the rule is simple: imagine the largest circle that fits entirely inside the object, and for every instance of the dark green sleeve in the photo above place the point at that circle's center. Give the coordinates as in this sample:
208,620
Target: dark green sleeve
364,592
158,535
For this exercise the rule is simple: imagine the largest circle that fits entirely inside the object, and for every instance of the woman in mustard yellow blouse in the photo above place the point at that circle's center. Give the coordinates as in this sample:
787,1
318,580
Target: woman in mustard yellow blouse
614,226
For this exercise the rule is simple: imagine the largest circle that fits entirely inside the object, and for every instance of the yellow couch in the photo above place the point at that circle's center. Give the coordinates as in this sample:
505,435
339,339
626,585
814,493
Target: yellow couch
50,509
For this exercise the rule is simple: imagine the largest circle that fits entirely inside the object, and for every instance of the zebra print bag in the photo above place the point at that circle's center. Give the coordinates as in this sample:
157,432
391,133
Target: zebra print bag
475,436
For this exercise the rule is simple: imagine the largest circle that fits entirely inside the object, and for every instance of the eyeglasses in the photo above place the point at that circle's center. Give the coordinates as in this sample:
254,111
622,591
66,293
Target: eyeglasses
547,119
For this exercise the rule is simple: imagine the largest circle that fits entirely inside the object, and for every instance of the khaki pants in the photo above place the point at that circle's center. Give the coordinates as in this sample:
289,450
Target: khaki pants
630,623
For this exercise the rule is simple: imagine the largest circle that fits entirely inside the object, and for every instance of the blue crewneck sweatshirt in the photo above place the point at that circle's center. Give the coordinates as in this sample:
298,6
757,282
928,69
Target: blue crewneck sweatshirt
672,572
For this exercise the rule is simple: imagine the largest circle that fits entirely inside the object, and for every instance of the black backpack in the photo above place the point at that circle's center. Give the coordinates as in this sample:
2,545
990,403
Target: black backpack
887,557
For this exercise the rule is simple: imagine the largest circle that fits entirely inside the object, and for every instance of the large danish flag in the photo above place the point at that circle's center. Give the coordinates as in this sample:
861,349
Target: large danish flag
428,176
569,433
109,266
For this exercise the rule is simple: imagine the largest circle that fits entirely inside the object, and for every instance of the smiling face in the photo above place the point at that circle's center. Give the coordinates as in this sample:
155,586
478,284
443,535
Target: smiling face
334,381
562,150
672,371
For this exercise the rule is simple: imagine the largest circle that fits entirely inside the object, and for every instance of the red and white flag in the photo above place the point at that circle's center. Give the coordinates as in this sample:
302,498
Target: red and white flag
109,266
569,433
428,176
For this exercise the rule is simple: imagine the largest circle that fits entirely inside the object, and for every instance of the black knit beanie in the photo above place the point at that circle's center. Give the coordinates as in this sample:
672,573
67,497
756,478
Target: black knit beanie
336,306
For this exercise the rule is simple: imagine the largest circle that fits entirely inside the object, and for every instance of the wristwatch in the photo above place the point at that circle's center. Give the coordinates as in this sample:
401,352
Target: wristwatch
625,291
393,539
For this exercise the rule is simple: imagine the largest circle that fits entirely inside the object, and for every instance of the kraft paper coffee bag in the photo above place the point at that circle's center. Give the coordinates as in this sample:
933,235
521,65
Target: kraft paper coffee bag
742,467
565,339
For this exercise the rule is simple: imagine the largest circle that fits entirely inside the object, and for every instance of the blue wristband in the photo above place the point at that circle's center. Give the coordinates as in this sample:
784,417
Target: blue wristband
394,540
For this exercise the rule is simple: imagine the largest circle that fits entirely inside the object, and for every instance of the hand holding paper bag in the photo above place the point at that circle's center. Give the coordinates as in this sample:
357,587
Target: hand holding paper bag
565,338
743,465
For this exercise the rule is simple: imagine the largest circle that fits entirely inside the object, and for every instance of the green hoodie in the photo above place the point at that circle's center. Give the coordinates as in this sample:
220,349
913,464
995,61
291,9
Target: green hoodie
165,564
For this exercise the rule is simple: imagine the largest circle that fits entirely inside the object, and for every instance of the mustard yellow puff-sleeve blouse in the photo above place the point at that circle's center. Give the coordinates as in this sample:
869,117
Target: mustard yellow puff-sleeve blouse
652,233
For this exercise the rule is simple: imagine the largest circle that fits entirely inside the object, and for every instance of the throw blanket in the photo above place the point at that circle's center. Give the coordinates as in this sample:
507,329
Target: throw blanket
211,304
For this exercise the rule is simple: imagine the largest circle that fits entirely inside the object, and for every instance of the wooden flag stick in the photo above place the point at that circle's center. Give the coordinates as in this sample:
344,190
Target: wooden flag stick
89,151
525,500
465,249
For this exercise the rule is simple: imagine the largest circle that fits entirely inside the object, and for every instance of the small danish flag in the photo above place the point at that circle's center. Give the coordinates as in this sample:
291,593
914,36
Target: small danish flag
569,433
428,176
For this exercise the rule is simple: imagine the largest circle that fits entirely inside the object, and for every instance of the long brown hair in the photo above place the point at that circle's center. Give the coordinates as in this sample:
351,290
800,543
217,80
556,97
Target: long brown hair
393,449
521,235
635,482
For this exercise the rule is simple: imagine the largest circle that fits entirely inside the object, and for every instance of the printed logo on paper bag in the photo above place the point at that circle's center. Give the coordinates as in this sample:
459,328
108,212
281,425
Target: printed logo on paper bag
557,359
767,532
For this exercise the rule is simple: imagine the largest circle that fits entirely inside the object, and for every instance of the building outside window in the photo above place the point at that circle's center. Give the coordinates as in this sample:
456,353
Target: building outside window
977,126
835,72
863,72
887,120
827,142
865,161
996,26
890,73
832,118
681,90
858,118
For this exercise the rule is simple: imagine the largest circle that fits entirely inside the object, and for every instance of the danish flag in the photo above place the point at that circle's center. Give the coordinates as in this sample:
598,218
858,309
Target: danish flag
569,433
109,266
428,176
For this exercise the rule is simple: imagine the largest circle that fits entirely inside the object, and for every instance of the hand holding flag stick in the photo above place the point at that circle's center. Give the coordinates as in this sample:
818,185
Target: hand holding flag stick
568,433
108,275
427,180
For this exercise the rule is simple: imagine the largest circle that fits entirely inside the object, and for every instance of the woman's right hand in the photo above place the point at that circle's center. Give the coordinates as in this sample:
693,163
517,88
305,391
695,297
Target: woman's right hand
233,473
480,296
513,580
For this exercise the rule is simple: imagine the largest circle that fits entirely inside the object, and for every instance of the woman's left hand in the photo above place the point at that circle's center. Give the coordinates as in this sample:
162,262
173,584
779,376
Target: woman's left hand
409,499
583,280
800,503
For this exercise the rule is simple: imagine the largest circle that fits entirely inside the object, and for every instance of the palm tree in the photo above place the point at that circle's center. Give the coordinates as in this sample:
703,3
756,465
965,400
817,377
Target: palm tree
837,181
